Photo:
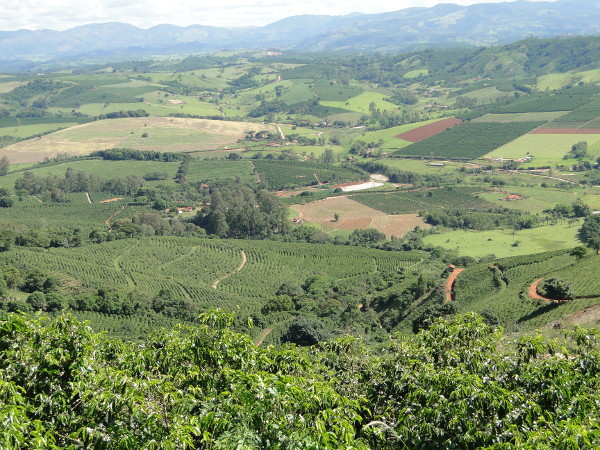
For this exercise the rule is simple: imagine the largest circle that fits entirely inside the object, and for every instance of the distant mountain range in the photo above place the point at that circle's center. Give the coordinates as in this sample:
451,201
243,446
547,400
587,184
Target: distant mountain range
444,24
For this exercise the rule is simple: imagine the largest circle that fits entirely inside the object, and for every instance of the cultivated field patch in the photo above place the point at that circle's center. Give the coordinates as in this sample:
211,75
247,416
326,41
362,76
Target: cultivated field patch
353,215
546,149
418,134
163,134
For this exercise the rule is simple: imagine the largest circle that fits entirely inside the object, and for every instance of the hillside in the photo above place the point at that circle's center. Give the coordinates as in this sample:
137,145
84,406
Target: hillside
444,24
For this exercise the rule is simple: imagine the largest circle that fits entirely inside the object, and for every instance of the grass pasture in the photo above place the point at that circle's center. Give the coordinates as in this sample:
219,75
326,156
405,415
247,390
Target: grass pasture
354,215
547,149
10,85
500,242
164,134
361,103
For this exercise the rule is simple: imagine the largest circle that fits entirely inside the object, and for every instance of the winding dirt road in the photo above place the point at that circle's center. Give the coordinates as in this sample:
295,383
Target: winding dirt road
241,266
450,284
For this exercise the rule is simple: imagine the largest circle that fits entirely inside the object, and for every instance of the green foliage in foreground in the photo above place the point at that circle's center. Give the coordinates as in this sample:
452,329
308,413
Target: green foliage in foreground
62,386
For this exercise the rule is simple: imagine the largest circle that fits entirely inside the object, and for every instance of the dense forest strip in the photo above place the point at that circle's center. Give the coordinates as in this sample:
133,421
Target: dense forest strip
244,259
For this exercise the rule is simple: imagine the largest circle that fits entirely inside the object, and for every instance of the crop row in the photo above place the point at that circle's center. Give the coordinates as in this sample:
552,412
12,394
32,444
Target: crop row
290,174
584,113
469,140
424,201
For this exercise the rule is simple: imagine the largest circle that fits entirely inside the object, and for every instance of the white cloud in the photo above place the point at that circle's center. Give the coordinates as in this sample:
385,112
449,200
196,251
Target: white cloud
64,14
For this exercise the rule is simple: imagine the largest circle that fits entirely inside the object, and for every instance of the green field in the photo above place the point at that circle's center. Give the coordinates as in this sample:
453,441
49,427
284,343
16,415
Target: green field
521,117
25,131
424,200
280,175
208,172
476,289
548,150
100,168
361,103
163,134
538,199
500,242
189,267
469,140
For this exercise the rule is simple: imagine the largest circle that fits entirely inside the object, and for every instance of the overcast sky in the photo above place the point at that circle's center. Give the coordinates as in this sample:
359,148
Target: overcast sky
64,14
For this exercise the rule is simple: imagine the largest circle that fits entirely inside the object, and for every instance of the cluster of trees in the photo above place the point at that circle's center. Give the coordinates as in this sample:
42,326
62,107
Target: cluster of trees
146,224
492,219
590,232
124,114
454,385
578,151
242,212
121,154
403,97
73,181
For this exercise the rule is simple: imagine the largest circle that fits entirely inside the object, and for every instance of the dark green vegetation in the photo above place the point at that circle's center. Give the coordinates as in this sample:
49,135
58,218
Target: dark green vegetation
209,387
198,221
468,140
290,174
424,200
501,288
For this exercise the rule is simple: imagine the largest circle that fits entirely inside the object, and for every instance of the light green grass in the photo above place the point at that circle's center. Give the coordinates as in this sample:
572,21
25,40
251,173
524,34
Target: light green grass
538,199
486,95
9,86
191,106
31,130
361,103
547,149
164,134
554,81
416,73
589,76
499,242
390,141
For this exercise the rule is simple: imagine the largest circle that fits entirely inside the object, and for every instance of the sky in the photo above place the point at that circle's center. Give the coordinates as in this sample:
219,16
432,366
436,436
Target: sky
64,14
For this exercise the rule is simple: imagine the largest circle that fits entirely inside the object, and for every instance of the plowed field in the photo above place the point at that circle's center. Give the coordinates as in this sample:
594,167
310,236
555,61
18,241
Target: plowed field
418,134
354,215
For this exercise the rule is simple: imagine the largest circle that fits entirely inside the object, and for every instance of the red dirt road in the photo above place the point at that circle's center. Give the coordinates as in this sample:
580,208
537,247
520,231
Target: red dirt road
418,134
450,284
533,293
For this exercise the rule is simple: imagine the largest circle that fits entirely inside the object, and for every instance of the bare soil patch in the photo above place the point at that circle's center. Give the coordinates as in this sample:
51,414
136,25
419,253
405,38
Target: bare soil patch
450,284
418,134
109,200
354,215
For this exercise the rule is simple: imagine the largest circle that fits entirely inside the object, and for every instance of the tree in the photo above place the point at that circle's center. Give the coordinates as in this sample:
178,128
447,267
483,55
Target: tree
556,289
4,165
580,209
306,331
